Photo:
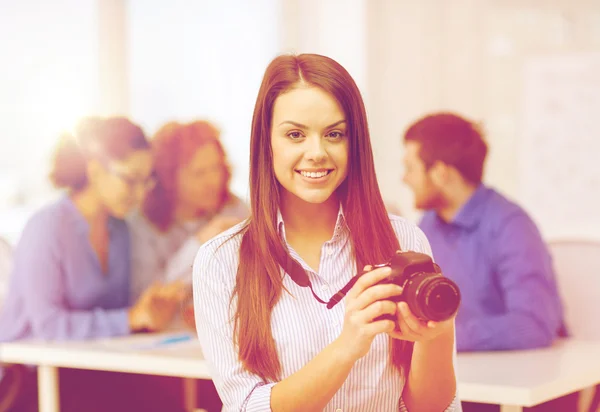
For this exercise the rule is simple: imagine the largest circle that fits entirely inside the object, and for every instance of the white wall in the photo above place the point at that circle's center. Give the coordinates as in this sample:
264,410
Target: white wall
468,56
334,28
201,59
113,57
48,77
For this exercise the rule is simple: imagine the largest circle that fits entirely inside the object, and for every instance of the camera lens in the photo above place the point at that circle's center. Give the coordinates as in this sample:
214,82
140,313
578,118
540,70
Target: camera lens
438,297
432,296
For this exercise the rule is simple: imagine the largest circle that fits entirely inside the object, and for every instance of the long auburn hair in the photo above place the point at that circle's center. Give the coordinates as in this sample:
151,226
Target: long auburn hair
259,284
173,146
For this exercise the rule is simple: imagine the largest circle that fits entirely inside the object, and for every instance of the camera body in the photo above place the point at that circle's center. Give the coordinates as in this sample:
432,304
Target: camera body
429,295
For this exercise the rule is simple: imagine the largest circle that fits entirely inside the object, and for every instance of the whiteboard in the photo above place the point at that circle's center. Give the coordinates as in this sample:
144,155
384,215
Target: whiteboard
560,154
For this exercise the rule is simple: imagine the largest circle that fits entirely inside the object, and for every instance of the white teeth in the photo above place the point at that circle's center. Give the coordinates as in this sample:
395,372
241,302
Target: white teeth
314,175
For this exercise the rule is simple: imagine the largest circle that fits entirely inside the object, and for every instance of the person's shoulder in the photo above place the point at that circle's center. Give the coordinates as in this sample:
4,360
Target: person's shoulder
501,210
409,235
51,215
221,253
428,219
44,226
231,238
402,225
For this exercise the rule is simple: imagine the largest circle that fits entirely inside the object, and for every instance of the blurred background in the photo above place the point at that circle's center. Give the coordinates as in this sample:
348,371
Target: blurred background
527,70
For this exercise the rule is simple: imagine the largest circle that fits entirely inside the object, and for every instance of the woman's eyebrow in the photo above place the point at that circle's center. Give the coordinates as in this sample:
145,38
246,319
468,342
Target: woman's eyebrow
293,124
300,125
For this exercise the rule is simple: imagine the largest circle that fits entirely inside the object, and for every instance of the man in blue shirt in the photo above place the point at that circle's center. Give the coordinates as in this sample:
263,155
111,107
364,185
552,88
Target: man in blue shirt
484,242
487,244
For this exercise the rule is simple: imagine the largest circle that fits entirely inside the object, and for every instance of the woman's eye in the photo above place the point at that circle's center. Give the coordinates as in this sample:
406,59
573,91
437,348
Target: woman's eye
335,135
295,135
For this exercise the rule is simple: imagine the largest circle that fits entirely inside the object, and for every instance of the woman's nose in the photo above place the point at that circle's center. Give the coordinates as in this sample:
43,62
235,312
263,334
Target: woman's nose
316,149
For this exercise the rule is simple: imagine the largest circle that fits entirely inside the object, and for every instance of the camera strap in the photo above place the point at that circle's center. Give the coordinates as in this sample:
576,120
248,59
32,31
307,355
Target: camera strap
297,273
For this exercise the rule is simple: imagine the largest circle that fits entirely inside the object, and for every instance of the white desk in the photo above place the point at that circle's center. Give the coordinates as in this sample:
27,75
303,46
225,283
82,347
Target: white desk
511,379
183,359
527,378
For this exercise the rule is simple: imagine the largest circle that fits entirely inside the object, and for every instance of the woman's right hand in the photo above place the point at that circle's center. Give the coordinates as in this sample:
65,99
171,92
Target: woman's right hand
365,302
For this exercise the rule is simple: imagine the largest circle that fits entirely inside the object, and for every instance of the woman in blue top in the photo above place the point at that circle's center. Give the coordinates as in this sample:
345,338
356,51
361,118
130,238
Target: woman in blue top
70,278
71,273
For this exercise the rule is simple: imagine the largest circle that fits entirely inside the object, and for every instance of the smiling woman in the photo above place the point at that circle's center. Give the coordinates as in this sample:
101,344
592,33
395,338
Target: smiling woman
315,206
310,152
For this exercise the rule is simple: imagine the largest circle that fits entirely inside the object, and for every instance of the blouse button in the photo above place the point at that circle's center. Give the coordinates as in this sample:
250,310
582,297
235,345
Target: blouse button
338,410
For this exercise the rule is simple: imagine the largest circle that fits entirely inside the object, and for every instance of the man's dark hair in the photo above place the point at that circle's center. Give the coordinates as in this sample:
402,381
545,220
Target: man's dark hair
451,139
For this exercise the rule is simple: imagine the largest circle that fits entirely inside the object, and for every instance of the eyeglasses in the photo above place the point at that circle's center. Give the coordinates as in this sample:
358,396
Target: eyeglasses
145,184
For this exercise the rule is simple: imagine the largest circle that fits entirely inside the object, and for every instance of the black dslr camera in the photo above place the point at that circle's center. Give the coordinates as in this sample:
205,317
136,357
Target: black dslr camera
429,295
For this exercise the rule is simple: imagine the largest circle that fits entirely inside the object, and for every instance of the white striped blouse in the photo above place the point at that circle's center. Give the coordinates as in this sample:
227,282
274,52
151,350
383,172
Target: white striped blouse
302,327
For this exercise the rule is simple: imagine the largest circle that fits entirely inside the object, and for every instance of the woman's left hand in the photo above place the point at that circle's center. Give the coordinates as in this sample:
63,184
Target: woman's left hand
411,328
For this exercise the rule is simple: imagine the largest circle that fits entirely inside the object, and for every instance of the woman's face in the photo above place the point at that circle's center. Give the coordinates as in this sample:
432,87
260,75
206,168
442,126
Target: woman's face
309,143
201,182
121,184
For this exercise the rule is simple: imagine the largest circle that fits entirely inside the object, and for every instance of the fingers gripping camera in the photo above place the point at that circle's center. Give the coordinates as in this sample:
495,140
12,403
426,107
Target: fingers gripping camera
429,295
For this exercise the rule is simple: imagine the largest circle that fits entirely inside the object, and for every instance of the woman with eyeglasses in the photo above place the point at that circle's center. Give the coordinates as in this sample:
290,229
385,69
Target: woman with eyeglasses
71,270
270,341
